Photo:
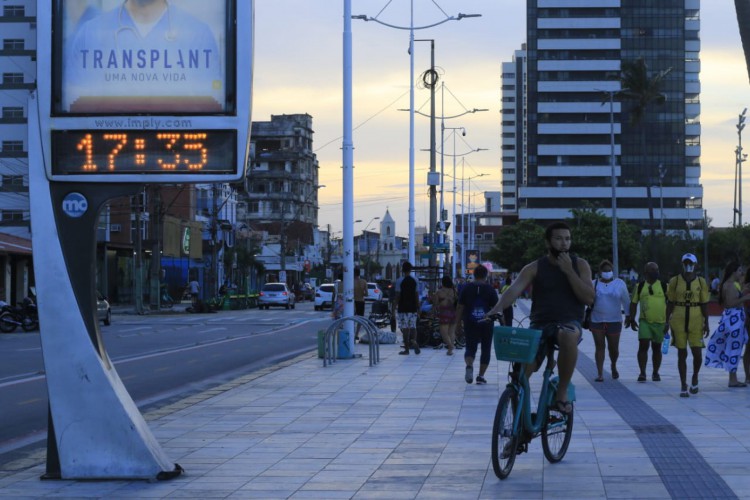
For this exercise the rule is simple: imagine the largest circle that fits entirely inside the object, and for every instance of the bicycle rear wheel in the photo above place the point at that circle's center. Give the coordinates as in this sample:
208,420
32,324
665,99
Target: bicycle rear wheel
504,441
556,433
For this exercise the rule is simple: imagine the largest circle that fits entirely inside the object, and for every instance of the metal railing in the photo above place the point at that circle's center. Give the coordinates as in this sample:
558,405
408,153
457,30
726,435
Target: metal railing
373,334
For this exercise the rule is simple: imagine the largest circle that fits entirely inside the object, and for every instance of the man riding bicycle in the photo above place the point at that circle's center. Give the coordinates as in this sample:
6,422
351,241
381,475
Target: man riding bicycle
561,288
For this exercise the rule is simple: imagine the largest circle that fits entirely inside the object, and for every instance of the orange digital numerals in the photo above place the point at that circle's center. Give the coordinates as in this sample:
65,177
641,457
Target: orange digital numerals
172,143
87,146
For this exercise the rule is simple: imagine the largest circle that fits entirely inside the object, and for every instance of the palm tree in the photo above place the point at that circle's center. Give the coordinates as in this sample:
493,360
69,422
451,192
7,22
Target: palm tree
743,19
642,90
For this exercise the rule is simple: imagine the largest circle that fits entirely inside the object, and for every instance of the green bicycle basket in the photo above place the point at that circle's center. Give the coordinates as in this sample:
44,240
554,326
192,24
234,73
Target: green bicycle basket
516,344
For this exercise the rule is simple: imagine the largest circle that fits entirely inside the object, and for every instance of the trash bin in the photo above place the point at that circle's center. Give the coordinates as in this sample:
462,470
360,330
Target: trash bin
343,346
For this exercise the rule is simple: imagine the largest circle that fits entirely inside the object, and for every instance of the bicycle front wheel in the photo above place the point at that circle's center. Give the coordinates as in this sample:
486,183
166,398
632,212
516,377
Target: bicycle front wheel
504,441
556,433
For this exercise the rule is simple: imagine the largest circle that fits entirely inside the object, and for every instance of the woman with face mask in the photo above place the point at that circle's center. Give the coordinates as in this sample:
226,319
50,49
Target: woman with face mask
611,300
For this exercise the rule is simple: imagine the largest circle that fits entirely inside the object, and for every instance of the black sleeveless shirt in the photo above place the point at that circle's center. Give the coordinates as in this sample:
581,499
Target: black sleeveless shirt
552,297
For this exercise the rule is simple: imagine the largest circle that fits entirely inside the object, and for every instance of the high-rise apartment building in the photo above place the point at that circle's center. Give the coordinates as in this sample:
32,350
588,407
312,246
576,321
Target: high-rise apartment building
575,49
513,129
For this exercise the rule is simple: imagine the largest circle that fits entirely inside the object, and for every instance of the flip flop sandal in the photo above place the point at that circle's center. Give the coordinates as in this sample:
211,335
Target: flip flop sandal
564,407
694,389
684,394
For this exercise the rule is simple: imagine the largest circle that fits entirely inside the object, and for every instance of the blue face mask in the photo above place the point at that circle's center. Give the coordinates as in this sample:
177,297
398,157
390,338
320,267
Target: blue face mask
607,275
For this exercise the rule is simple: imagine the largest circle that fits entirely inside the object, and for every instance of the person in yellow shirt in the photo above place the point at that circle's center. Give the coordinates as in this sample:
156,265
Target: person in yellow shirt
687,316
651,294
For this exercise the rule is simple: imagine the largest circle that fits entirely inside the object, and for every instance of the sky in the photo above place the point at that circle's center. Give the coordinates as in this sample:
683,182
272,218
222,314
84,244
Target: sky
298,69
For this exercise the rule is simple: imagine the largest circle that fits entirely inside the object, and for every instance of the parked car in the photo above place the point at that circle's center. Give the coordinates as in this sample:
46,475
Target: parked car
373,293
324,296
275,294
103,311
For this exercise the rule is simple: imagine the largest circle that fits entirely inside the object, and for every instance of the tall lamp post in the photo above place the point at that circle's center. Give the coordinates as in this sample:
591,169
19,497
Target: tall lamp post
615,256
464,243
443,128
738,170
411,29
367,245
455,219
662,174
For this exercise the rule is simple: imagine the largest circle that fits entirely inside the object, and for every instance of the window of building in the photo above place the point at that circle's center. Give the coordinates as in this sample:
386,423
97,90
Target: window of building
12,180
11,78
14,11
11,215
12,146
13,44
12,112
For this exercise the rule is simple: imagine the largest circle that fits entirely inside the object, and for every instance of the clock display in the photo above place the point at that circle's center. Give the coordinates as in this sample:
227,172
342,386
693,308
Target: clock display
81,152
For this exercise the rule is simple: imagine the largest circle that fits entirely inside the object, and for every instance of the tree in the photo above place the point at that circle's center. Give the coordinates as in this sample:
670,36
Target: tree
643,91
592,238
518,245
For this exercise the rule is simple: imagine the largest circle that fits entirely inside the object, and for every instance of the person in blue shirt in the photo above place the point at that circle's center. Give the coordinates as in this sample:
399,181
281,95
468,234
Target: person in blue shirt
141,56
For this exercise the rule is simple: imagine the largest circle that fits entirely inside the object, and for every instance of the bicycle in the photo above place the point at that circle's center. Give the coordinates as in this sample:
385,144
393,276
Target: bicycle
515,425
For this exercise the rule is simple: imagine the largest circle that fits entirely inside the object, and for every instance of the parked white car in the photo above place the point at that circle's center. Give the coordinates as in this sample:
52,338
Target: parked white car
374,292
324,296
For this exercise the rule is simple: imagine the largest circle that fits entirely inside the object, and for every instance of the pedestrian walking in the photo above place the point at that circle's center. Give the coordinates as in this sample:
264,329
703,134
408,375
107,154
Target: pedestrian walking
445,303
687,316
407,308
724,348
476,300
611,298
651,296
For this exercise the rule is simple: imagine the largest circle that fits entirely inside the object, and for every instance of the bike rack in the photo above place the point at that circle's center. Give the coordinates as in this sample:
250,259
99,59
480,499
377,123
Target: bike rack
373,334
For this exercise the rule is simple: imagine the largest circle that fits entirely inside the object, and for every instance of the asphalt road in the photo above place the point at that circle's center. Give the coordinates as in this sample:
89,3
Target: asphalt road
160,358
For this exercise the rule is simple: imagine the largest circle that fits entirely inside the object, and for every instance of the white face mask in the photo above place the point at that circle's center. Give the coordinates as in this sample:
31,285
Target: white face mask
607,275
688,268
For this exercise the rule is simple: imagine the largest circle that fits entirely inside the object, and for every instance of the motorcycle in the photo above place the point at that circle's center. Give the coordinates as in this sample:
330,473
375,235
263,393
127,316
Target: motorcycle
25,316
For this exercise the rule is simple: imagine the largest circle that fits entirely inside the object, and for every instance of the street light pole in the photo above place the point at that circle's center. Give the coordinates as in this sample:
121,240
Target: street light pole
431,82
466,241
662,174
367,245
411,29
615,256
348,175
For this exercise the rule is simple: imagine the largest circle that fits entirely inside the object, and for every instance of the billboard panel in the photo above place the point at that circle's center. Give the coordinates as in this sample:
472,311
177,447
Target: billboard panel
143,57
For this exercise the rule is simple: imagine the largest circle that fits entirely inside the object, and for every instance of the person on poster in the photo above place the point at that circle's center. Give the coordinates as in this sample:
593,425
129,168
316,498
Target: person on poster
140,54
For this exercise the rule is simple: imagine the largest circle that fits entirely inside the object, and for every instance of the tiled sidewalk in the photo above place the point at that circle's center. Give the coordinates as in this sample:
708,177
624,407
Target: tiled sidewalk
410,427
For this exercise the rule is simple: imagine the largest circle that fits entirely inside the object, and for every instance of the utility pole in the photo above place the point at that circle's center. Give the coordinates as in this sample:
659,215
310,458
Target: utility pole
213,286
430,79
155,274
138,250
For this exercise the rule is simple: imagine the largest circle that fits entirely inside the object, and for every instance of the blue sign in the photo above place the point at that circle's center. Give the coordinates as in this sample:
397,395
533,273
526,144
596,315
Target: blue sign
75,205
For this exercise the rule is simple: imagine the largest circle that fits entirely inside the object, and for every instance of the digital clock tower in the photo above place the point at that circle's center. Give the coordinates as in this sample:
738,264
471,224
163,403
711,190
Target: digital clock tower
129,93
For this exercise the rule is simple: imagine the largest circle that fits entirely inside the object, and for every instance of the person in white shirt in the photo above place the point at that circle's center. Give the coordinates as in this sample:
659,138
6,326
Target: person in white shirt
612,298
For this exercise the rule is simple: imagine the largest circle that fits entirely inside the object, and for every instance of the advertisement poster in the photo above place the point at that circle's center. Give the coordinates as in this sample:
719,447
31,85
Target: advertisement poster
143,56
472,261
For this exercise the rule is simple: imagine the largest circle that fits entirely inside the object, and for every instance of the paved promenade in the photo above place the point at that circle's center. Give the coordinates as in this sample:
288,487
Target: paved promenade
411,428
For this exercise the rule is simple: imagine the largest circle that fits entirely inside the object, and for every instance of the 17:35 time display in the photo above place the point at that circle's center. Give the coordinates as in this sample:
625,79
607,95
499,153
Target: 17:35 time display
144,152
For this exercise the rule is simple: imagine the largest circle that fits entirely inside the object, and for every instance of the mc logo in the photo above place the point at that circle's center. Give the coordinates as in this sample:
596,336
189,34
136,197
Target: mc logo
75,205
